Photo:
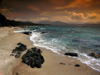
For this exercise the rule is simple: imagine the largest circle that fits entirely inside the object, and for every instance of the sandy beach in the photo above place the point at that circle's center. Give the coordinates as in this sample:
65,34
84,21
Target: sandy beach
9,65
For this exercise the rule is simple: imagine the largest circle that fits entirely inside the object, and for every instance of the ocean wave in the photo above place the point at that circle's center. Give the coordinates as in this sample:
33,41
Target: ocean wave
54,45
38,40
90,61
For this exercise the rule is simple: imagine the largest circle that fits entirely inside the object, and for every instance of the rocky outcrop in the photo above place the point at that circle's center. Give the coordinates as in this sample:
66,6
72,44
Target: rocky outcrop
33,58
71,54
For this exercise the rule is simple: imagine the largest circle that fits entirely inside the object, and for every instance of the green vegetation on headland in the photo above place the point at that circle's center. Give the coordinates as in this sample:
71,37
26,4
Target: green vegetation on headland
6,23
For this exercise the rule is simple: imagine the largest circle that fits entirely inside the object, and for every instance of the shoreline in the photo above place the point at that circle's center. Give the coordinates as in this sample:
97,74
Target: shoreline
51,66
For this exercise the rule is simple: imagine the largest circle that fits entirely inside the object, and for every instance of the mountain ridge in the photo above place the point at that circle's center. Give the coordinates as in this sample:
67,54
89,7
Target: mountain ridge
59,23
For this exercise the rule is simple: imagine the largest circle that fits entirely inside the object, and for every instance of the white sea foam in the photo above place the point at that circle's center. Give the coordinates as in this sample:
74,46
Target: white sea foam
90,61
38,40
22,30
43,28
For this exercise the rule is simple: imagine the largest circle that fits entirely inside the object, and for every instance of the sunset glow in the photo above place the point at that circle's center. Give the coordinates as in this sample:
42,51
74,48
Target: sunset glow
69,11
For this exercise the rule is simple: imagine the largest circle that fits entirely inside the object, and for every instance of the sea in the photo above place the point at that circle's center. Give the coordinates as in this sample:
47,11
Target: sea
62,39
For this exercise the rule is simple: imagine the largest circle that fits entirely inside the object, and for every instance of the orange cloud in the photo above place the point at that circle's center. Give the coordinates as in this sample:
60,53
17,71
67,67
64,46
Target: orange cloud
44,13
92,15
77,4
78,16
4,10
33,8
57,1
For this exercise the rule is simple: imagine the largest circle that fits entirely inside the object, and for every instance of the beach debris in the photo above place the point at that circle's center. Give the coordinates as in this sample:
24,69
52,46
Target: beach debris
33,58
77,65
62,63
71,54
94,54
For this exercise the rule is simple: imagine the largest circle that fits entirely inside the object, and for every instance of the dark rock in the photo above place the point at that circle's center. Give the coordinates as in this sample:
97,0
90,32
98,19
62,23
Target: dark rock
11,54
19,43
27,33
62,63
38,63
94,54
19,52
36,28
22,47
76,40
33,58
72,54
17,55
43,32
32,65
15,50
77,65
19,49
97,45
17,73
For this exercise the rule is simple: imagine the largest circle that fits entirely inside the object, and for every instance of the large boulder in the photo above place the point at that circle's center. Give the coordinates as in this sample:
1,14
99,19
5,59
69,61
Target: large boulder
71,54
33,58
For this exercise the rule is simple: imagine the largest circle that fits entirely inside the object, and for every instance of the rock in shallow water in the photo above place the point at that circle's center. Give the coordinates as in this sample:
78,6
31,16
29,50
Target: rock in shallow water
72,54
94,54
27,33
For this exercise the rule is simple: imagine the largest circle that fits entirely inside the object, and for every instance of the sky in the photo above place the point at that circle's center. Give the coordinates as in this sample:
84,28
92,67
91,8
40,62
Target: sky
69,11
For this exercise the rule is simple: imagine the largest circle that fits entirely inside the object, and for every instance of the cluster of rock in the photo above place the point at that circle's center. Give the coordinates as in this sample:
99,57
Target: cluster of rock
19,50
33,58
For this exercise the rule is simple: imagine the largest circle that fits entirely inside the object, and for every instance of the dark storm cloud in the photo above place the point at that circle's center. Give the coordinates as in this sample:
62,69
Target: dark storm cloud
42,5
51,9
0,1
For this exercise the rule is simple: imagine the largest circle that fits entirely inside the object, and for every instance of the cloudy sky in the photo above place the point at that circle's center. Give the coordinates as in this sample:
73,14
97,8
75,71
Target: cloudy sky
69,11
